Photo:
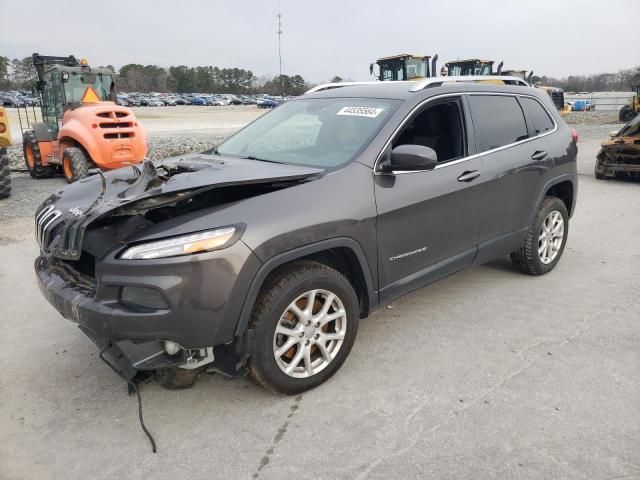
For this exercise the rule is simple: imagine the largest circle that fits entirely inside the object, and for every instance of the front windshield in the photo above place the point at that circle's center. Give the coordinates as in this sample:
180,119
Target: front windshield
416,68
391,71
465,69
484,69
77,84
321,132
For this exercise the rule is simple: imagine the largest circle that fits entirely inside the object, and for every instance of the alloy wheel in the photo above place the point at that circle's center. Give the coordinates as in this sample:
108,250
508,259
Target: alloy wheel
309,333
550,237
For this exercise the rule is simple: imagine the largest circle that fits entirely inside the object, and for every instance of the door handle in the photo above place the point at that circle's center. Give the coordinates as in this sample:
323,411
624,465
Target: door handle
539,155
468,176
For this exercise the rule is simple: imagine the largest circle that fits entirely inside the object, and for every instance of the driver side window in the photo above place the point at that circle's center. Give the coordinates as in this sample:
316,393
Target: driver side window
439,127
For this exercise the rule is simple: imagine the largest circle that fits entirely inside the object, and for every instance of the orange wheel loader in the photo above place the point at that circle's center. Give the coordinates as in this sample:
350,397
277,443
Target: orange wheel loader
82,127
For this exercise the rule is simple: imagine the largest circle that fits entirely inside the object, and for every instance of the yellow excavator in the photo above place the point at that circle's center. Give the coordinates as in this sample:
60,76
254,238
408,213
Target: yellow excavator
632,109
416,67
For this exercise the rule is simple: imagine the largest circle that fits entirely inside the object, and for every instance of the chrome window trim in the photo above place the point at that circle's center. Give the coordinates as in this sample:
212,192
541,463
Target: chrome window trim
470,157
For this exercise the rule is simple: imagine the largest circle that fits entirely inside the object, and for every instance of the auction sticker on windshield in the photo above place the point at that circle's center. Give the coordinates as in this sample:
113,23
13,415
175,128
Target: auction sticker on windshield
370,112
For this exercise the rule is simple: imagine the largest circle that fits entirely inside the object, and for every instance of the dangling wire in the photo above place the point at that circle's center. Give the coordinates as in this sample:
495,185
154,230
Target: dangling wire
134,387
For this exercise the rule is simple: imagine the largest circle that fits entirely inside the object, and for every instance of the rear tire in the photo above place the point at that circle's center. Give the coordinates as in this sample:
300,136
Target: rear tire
5,176
75,165
298,346
546,238
33,158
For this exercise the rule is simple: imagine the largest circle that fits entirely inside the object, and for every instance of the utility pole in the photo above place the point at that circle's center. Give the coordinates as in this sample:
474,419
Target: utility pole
280,46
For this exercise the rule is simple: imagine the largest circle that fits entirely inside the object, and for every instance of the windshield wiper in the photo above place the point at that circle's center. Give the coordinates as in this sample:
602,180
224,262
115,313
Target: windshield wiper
251,157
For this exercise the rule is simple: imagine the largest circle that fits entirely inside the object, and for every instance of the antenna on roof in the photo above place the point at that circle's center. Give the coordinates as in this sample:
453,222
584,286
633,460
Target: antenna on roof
279,38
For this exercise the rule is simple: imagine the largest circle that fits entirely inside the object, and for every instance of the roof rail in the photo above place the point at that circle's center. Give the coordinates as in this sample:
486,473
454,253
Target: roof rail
438,81
416,86
329,86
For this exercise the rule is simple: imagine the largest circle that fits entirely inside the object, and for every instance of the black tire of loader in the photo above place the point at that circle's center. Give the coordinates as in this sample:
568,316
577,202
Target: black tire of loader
626,114
38,171
78,164
5,175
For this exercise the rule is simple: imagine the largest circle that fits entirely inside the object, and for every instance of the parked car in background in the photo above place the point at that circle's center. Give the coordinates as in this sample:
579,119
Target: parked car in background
9,100
199,101
267,102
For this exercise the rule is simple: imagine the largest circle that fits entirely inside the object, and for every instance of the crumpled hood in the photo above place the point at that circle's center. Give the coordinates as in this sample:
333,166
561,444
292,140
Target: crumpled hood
63,218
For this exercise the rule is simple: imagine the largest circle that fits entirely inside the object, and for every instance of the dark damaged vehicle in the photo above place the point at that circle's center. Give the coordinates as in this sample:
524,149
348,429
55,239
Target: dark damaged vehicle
261,256
620,154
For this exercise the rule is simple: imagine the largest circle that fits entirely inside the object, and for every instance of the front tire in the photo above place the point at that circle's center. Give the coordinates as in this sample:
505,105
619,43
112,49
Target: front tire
305,323
75,165
546,238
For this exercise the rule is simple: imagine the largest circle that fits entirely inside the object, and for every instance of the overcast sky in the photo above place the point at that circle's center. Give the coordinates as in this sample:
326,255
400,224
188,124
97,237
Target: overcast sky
323,38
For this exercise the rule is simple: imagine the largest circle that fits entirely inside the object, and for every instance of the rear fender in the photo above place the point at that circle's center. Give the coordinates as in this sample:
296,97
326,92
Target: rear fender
555,181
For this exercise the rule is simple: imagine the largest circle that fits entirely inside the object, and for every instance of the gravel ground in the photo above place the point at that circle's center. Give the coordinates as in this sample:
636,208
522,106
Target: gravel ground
591,118
171,130
159,147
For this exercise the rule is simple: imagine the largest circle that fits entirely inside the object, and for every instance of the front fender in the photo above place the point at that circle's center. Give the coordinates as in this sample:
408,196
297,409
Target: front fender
270,265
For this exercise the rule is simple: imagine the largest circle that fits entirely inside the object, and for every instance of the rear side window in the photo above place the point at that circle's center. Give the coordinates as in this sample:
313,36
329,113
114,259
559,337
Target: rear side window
497,121
538,116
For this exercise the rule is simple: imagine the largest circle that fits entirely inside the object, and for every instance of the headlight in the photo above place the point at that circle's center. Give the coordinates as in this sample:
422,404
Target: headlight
183,245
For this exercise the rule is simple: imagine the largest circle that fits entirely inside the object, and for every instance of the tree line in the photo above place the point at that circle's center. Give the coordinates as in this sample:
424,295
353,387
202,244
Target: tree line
18,74
624,80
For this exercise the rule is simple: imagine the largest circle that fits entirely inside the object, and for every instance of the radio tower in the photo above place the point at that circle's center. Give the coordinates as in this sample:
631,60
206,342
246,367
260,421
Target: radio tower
279,38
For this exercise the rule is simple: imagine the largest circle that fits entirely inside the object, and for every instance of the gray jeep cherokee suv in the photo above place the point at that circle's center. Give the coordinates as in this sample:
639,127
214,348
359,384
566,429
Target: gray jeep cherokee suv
262,254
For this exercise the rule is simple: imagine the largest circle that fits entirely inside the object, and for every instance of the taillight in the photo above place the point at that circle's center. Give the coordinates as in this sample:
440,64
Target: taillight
3,128
574,135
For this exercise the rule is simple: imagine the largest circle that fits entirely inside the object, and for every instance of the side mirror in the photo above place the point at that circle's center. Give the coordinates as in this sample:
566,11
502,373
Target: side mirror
408,158
613,133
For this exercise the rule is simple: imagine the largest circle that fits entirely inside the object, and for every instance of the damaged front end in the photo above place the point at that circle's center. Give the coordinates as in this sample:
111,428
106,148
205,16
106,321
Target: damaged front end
620,155
153,313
